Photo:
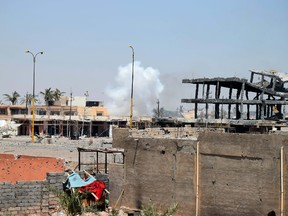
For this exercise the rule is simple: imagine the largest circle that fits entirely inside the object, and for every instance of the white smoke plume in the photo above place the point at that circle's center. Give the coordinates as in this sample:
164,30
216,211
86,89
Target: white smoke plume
146,90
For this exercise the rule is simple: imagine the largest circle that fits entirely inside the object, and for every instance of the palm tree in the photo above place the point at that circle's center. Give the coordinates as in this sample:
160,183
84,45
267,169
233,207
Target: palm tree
48,95
28,99
13,98
51,96
57,94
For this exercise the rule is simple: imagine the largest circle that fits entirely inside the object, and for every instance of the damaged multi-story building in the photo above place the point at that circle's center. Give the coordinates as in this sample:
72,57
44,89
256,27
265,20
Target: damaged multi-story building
239,104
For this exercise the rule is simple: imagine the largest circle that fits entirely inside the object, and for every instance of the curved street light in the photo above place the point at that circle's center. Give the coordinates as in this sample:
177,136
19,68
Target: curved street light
33,96
131,98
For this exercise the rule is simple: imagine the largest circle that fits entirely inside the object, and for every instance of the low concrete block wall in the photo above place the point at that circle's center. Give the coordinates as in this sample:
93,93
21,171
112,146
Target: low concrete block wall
31,197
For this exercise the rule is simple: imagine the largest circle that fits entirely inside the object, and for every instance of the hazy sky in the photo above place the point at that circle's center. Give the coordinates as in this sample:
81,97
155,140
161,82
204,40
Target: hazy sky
86,45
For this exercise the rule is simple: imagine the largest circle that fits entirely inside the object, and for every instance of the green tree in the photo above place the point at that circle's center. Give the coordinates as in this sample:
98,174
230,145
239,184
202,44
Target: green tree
28,99
51,96
57,94
13,98
48,95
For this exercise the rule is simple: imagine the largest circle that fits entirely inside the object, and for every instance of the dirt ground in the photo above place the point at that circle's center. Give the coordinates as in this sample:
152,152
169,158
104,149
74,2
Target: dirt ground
62,148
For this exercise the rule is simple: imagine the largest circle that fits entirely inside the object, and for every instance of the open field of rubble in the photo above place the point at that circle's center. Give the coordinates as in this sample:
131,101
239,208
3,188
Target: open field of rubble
52,147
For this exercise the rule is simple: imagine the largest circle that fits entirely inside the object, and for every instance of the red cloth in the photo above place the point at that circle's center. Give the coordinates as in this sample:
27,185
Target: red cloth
95,187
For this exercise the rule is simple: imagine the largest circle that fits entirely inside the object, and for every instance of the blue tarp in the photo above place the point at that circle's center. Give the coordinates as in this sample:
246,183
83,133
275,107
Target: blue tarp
75,181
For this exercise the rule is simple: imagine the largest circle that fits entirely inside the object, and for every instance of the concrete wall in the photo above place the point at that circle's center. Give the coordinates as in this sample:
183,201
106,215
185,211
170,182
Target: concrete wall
239,174
31,197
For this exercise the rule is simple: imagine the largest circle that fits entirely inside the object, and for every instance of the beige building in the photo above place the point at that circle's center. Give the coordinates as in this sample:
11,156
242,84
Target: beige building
62,118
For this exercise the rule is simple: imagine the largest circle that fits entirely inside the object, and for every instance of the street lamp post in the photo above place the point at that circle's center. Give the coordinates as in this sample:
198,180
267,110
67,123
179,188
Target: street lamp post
33,96
131,98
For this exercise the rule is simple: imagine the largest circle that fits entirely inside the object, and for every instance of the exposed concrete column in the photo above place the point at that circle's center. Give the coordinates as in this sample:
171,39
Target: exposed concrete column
274,83
251,78
257,106
248,106
238,112
269,111
207,97
262,106
218,90
229,105
196,104
284,109
242,97
203,90
217,93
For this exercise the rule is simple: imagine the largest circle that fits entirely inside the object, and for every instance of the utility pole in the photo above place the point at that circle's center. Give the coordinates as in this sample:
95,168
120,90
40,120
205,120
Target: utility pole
132,82
70,113
33,98
158,109
84,113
